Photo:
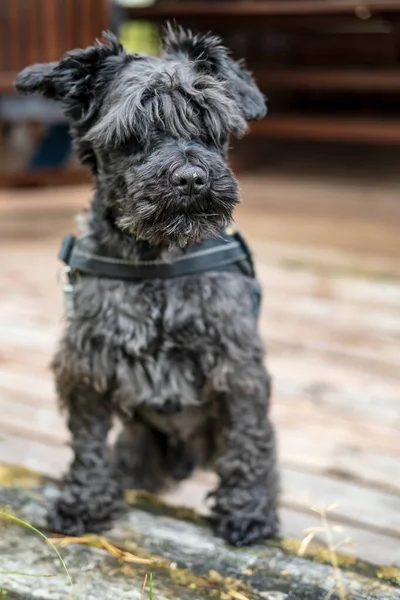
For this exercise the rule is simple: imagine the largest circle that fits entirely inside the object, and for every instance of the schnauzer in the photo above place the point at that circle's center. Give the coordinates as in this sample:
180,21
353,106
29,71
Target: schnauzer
163,331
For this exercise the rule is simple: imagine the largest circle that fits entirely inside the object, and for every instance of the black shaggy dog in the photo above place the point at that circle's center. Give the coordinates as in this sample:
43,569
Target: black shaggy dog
175,354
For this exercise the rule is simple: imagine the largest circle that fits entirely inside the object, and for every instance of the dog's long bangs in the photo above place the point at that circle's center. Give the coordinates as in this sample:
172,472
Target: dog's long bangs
189,110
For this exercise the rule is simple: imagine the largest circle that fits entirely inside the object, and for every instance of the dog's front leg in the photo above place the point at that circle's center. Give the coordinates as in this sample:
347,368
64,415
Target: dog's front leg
91,496
246,499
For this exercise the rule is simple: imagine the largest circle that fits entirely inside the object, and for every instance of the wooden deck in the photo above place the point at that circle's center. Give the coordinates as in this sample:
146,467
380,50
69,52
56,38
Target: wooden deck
329,259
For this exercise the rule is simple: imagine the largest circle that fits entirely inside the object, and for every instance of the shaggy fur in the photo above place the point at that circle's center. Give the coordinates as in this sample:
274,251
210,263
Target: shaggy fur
179,361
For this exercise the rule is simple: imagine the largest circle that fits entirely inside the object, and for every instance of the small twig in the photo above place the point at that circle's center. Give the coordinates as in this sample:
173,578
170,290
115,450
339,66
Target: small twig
333,556
325,528
236,595
307,540
143,586
100,542
330,594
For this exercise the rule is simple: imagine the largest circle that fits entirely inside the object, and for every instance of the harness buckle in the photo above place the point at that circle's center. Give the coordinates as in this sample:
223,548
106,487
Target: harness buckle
64,277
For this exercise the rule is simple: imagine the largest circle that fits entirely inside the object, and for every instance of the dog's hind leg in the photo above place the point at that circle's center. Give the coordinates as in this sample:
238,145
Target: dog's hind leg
246,499
91,497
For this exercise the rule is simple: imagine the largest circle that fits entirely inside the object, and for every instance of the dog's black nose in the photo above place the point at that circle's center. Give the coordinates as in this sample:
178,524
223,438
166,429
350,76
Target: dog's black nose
189,179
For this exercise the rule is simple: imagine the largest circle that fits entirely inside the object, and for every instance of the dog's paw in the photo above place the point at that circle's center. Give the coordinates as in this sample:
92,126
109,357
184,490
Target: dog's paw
72,524
81,510
66,524
239,530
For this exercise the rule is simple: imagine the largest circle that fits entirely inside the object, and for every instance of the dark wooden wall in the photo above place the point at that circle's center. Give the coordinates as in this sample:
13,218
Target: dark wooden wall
330,68
42,30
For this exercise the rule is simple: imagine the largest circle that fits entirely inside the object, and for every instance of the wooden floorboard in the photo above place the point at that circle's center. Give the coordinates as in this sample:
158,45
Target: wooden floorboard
328,255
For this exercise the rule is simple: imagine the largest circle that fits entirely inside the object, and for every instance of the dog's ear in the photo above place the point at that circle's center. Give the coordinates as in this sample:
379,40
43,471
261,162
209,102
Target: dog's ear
76,80
36,78
210,57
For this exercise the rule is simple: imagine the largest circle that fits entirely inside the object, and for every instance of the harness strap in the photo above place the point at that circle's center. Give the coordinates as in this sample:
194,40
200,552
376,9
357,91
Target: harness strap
206,256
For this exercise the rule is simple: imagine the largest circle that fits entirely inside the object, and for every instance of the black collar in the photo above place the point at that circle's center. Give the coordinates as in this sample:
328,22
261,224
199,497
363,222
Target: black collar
209,255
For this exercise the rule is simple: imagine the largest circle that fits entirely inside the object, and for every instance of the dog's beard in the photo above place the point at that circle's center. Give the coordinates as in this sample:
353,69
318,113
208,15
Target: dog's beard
164,218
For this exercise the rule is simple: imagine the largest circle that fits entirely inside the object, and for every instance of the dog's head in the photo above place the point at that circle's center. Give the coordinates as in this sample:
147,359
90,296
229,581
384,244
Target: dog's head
155,130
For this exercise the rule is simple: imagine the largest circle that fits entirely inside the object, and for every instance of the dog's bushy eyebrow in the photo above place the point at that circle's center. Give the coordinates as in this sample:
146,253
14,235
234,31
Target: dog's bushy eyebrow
207,54
174,100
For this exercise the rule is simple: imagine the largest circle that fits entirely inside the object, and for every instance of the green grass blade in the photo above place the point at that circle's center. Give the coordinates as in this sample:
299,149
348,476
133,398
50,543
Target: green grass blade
151,586
42,535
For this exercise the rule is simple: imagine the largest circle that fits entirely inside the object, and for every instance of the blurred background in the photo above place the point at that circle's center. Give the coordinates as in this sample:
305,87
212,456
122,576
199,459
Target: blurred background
320,206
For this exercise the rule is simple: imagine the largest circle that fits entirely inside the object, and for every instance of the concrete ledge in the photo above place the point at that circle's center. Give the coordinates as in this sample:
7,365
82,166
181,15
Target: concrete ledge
177,547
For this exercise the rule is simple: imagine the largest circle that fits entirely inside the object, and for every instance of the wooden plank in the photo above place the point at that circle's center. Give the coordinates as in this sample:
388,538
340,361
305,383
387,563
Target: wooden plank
68,6
349,449
33,16
14,24
30,311
19,423
285,344
382,80
339,258
71,199
301,406
334,458
17,361
29,337
46,177
168,9
25,432
354,318
51,461
322,440
40,419
51,30
382,356
319,182
355,445
328,220
343,294
32,384
321,291
374,510
336,386
370,352
334,128
85,24
280,281
7,82
377,329
348,385
22,397
368,545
